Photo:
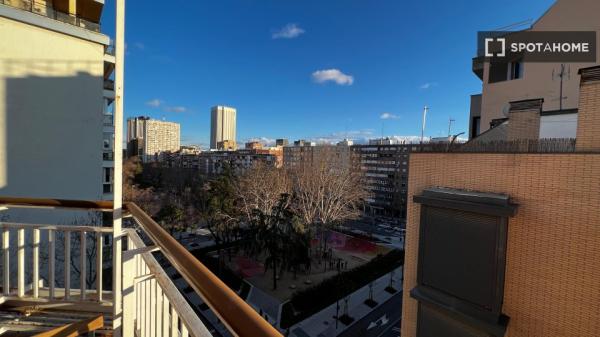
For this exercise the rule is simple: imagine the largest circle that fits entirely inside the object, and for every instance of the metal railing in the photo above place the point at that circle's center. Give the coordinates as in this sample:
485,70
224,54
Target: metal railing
152,304
41,8
108,156
544,145
108,120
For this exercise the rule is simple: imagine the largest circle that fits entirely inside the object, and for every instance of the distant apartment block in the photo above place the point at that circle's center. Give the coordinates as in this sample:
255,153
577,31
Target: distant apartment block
227,145
214,162
149,138
345,142
190,149
281,142
557,84
253,145
56,82
381,141
385,169
307,153
222,125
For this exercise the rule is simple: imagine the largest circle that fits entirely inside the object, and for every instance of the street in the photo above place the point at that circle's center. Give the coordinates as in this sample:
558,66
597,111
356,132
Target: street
382,322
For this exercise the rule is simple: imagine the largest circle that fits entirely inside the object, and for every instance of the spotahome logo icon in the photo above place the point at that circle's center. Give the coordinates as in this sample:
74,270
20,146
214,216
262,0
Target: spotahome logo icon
535,46
488,42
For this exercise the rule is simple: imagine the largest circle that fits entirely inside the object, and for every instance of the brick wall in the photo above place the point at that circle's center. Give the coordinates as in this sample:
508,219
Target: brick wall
524,119
552,285
588,126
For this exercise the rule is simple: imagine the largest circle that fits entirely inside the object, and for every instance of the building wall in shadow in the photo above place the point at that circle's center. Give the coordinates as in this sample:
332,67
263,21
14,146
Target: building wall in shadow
51,102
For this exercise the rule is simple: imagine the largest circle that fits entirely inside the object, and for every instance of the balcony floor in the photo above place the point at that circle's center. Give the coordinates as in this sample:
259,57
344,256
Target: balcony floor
28,316
28,321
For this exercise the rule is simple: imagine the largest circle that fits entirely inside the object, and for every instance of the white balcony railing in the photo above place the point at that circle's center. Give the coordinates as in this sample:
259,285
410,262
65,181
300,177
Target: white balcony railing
155,305
64,265
28,238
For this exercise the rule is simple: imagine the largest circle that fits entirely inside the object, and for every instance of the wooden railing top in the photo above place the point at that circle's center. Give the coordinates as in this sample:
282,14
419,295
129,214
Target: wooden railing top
237,315
101,205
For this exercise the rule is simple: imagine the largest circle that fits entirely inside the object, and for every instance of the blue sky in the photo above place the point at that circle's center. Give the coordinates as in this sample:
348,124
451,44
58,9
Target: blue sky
318,69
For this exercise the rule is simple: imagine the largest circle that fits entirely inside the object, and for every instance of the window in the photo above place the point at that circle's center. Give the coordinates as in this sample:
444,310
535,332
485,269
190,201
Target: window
503,71
107,175
461,263
475,126
516,69
497,72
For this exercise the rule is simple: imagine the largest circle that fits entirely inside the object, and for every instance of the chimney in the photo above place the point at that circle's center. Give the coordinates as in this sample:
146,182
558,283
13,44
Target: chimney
588,119
524,119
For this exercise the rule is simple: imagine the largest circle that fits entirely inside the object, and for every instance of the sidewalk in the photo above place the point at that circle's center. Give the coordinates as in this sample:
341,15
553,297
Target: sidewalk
322,324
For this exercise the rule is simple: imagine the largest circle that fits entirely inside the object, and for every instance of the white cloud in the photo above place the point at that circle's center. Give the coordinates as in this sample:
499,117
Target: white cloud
155,103
428,85
289,31
387,115
334,75
408,139
359,136
175,109
363,137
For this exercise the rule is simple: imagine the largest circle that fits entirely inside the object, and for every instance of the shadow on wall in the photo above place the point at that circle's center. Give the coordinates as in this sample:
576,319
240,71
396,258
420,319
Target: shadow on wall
50,134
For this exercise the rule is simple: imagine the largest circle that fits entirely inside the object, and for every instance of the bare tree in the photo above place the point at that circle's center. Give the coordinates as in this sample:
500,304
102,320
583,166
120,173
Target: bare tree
90,254
327,190
146,198
260,188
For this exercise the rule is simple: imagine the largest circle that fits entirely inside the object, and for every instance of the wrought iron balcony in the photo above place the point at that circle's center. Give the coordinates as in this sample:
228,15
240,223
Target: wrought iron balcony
49,257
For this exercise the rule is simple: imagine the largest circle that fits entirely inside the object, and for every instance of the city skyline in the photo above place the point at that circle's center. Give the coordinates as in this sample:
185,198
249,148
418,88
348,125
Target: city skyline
289,73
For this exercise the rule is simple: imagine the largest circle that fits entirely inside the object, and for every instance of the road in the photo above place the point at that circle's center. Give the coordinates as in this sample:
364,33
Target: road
381,322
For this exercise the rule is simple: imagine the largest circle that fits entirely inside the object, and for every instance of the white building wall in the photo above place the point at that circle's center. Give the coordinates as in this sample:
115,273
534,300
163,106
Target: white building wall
558,126
51,112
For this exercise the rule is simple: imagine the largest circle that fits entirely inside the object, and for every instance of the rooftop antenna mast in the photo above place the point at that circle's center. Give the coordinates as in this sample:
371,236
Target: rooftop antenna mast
425,109
564,73
450,121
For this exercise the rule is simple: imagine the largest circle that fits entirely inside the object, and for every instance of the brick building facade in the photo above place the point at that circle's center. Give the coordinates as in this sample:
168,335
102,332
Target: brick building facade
548,259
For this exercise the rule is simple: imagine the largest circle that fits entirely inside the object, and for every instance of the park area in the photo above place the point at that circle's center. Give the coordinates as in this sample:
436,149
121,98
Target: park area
342,253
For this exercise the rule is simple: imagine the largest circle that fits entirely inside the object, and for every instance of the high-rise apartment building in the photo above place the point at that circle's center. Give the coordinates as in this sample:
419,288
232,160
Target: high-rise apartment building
222,125
148,138
56,83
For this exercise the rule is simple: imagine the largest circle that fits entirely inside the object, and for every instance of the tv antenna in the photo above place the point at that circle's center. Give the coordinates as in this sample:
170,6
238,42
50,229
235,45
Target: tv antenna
564,73
450,121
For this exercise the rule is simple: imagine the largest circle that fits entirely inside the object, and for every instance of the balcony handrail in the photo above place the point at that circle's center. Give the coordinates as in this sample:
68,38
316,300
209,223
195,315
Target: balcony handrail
239,317
99,205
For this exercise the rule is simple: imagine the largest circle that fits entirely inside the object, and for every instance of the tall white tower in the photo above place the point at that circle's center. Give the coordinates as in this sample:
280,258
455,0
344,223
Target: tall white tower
222,125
